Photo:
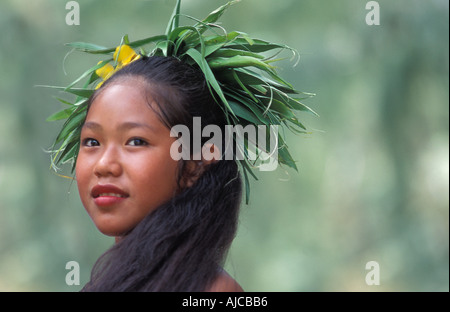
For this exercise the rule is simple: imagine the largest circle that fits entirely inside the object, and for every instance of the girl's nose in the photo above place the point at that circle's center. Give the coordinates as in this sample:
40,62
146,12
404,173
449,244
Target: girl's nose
108,164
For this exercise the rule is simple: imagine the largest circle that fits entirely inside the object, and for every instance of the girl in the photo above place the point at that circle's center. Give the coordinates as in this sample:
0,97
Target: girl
173,220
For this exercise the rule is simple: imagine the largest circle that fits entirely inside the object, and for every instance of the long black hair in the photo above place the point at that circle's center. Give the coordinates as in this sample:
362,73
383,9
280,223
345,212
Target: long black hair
181,245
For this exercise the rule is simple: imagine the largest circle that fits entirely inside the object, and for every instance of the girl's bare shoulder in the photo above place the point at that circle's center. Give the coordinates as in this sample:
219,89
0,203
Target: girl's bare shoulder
225,283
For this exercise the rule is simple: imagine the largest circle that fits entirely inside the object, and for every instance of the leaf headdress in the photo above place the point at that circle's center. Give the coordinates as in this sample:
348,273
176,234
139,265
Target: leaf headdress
237,70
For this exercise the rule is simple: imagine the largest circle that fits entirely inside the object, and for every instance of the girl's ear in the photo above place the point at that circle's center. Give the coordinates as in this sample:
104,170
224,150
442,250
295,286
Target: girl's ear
195,168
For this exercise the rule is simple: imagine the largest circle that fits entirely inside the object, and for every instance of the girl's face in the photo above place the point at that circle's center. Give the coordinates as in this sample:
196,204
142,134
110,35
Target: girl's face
124,169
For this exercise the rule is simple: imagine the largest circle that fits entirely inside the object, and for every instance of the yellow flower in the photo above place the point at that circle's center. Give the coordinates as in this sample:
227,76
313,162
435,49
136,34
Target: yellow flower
105,71
124,55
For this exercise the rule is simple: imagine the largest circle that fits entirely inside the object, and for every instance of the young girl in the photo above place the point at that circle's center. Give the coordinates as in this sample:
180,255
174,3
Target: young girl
173,219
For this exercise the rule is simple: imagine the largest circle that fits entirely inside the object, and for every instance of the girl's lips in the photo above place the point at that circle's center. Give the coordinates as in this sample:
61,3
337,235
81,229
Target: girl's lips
108,200
108,194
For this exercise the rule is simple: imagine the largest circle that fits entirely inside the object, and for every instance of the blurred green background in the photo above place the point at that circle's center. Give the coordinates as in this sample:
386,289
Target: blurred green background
373,175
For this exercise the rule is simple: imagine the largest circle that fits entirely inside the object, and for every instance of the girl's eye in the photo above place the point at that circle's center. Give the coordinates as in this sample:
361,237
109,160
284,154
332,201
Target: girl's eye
90,142
137,142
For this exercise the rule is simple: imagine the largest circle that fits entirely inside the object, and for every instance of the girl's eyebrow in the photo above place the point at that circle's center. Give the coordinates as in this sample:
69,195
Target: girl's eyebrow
94,126
91,125
131,125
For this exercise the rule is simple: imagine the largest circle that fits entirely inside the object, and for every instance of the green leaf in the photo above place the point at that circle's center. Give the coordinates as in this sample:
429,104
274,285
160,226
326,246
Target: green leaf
69,152
210,49
164,47
72,123
246,169
61,114
247,102
81,102
250,94
126,40
279,79
210,78
257,45
227,52
252,78
88,72
283,154
243,112
214,43
90,47
97,49
92,78
217,13
279,107
246,37
71,139
139,43
84,93
227,38
293,103
179,31
259,89
64,101
246,184
174,20
178,34
237,62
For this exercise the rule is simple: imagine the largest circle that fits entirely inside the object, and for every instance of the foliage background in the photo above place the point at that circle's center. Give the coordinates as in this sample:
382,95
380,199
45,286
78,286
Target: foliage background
374,174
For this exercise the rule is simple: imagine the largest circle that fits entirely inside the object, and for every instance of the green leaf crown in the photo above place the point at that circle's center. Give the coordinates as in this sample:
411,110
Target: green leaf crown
239,76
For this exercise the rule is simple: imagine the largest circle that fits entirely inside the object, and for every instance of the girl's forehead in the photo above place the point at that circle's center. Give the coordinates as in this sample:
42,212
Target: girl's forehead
133,83
123,100
127,88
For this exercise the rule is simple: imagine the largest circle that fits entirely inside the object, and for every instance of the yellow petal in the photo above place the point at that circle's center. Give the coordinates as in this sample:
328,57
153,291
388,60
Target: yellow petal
130,59
105,71
99,85
125,55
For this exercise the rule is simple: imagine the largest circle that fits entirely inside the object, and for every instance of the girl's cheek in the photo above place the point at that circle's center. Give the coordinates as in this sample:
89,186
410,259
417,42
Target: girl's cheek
83,170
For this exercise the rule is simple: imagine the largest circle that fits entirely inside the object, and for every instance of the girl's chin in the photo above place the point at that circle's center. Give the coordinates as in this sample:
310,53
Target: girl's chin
109,233
112,231
110,224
